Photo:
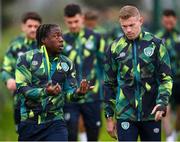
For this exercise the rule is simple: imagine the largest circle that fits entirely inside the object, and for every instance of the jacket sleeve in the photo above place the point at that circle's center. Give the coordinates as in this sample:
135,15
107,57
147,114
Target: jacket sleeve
164,76
8,66
110,83
23,77
100,55
70,85
101,46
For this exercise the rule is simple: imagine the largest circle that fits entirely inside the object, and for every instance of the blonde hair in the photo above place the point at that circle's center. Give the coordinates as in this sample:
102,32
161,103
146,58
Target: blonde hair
128,11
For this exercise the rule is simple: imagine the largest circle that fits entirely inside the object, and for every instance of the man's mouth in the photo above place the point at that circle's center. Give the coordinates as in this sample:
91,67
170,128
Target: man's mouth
61,47
130,34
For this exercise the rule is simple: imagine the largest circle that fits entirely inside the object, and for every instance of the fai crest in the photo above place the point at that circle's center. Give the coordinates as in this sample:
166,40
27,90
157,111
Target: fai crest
65,66
125,125
156,130
149,51
35,63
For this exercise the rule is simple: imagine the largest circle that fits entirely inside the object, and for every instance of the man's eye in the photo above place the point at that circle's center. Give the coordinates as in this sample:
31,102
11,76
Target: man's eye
76,21
56,35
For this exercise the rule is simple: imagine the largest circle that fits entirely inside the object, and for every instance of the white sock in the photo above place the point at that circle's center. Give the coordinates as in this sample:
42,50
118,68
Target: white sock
83,137
172,137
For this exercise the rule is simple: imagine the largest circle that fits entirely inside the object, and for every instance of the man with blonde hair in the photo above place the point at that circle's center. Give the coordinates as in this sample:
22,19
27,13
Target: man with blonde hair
137,81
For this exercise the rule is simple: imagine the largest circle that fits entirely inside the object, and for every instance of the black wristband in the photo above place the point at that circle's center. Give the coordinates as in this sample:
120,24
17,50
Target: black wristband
162,108
108,116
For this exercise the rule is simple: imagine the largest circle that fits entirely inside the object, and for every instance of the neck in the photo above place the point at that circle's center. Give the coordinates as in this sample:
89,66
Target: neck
30,39
51,54
170,30
138,34
135,38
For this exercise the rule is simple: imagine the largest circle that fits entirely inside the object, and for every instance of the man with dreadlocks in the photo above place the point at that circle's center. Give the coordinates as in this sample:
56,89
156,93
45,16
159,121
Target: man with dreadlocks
44,79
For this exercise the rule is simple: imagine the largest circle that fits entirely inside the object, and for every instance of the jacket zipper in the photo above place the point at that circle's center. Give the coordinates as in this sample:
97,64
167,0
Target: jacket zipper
137,79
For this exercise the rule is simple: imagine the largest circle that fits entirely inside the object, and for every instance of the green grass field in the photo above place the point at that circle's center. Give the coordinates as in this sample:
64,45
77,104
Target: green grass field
7,129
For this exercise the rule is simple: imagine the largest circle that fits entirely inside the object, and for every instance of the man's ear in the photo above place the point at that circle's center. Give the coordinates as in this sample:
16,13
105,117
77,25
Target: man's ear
44,40
83,18
23,27
141,20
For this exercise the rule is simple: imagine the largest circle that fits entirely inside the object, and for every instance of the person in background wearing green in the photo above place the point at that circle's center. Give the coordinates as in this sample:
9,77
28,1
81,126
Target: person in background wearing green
171,38
21,44
86,49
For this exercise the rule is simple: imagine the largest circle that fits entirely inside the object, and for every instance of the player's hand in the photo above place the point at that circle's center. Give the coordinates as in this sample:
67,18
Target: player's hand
11,84
84,87
111,128
159,111
53,89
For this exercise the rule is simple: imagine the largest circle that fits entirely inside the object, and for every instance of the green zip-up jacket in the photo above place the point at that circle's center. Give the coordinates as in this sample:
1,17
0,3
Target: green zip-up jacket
34,70
137,77
172,42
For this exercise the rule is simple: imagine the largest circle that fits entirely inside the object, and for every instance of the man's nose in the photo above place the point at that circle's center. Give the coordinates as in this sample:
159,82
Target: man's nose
73,25
61,38
128,29
33,29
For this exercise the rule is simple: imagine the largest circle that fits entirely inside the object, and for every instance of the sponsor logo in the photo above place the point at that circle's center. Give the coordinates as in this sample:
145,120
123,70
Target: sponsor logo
121,55
34,63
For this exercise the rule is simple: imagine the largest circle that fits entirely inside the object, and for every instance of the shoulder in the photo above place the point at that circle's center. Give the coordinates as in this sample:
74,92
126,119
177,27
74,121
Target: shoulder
29,55
32,52
17,42
27,58
119,42
149,37
160,33
19,38
89,33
